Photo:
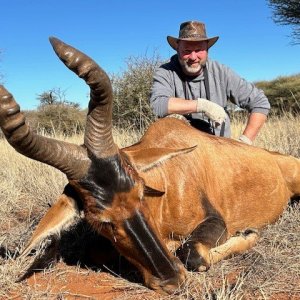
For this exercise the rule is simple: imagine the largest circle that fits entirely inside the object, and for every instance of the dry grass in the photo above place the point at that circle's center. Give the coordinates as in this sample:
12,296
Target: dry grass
278,134
271,270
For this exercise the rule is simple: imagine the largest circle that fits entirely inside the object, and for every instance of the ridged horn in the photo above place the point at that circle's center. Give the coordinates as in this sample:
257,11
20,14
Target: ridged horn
98,134
69,158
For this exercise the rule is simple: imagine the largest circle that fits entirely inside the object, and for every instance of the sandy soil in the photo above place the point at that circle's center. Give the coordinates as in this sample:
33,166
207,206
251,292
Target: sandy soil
71,282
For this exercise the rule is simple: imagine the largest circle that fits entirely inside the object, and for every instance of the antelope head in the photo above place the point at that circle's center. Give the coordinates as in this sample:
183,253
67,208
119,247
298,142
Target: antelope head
101,175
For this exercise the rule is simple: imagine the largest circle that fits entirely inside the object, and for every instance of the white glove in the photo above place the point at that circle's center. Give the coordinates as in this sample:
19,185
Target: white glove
245,140
212,110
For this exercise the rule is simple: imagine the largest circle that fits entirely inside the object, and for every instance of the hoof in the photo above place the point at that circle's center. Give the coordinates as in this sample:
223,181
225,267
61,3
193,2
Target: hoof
190,258
247,232
251,235
203,268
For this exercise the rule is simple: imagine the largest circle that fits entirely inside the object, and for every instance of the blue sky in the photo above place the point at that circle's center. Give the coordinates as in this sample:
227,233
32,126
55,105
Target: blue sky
111,31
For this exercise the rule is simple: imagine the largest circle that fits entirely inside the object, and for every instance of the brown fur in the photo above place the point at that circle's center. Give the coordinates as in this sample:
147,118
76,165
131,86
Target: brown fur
176,185
60,216
249,187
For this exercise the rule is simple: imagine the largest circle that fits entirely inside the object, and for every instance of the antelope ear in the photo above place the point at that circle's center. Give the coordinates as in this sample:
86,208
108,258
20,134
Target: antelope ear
146,159
148,191
63,214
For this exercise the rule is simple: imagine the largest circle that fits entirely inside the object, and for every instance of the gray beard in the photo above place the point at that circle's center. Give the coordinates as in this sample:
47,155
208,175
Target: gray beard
191,71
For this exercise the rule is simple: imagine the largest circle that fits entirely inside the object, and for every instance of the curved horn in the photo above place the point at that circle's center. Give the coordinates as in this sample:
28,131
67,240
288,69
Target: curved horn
98,135
69,158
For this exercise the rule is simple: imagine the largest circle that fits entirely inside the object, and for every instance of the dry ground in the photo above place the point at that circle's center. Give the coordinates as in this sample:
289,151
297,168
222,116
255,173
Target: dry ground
271,270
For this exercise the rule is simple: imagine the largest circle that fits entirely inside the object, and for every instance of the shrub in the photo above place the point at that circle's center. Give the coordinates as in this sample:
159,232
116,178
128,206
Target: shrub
283,94
60,118
56,115
131,92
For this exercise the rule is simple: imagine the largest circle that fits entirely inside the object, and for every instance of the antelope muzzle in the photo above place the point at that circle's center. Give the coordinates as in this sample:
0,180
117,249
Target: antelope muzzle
162,271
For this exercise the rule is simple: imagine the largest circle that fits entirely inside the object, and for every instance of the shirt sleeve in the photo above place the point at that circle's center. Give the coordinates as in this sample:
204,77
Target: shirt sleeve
162,89
245,94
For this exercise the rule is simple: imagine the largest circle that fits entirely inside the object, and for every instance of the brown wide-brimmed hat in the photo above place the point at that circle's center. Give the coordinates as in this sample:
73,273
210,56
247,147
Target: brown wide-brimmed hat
191,31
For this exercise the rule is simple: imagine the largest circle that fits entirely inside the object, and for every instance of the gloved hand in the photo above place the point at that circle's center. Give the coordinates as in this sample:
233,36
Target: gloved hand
212,110
245,140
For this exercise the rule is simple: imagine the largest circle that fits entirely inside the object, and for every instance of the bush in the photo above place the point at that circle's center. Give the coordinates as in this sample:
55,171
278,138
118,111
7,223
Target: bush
60,118
131,92
131,109
283,94
56,115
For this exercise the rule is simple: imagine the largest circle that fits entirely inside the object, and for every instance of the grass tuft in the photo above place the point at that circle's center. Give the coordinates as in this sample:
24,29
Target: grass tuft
270,270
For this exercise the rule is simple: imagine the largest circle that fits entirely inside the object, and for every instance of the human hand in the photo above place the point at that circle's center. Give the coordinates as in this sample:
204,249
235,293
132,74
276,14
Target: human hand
245,140
212,110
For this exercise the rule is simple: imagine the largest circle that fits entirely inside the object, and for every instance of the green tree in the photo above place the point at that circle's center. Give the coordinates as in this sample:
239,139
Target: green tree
287,12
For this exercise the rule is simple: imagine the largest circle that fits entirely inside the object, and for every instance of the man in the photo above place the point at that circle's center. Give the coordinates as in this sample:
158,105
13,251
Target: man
207,84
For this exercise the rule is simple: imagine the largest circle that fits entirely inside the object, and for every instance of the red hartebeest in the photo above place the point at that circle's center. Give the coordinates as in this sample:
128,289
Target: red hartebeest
175,183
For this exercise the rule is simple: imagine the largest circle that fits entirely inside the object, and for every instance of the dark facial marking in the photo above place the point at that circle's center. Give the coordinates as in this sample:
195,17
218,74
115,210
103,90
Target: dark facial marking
105,178
149,247
70,192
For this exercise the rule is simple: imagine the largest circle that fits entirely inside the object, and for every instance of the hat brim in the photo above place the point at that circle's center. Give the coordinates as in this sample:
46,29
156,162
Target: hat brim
173,42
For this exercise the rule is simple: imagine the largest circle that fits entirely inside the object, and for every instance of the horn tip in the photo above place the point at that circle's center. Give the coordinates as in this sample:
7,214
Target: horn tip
54,41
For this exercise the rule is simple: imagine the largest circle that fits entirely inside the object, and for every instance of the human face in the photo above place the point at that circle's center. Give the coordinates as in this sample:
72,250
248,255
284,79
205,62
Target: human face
192,56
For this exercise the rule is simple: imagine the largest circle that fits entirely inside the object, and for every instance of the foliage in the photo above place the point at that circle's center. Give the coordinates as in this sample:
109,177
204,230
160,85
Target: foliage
132,88
55,96
287,12
57,115
131,109
131,92
283,94
60,118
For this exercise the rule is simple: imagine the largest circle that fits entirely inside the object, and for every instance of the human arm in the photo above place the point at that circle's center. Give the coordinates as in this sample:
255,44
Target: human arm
212,110
254,124
247,96
181,106
164,102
